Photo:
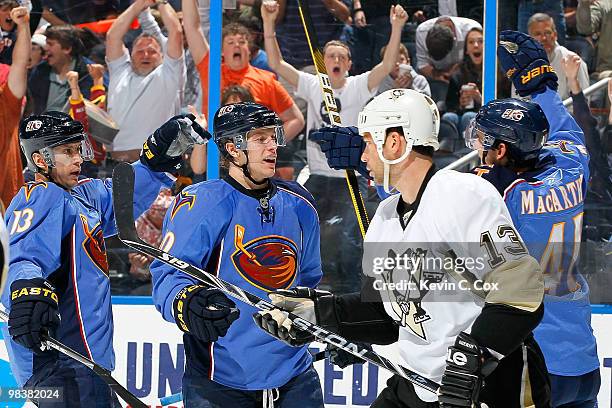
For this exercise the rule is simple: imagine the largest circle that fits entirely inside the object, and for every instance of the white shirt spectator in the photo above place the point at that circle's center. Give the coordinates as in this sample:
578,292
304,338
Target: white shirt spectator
462,28
140,104
556,61
350,99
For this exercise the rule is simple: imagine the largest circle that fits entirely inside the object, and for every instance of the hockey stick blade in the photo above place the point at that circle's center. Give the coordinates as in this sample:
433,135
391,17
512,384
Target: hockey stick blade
123,194
125,395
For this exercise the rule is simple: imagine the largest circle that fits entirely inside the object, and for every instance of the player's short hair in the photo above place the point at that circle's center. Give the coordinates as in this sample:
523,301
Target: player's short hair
147,36
235,29
402,51
439,41
337,43
67,36
237,90
541,18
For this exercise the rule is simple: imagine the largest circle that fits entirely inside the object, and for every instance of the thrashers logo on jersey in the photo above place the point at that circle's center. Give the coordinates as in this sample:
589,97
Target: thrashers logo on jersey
268,263
93,244
184,198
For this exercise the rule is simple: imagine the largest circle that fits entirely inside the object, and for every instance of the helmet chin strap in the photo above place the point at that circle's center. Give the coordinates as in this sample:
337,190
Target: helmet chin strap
387,164
386,177
247,173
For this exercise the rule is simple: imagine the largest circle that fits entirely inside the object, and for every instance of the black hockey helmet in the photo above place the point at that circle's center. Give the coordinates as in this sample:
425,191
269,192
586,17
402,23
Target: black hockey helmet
233,122
520,124
41,133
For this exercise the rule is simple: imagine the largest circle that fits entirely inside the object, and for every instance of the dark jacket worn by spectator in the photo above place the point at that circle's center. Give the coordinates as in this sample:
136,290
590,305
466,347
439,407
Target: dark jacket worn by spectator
40,81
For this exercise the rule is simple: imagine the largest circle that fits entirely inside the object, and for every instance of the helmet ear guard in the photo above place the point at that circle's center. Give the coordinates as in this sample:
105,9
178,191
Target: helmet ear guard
41,133
415,113
234,122
521,125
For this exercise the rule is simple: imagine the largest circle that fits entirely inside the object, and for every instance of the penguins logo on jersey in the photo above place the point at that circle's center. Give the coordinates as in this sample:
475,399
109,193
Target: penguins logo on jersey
94,245
406,304
268,263
184,198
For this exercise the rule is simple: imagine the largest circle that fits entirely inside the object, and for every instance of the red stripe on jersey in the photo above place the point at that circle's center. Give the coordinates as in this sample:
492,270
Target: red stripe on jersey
299,196
76,293
511,186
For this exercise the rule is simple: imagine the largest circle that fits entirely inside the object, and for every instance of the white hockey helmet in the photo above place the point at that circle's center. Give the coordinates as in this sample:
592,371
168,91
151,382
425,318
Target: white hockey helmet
416,113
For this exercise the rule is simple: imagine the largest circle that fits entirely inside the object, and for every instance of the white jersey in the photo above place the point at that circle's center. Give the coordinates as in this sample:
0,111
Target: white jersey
458,217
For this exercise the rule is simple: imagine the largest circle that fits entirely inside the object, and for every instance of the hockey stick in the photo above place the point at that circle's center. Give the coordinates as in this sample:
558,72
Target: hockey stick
332,111
125,395
123,201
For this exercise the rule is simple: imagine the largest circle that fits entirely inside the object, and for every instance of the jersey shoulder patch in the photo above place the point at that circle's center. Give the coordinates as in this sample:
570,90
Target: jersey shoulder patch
207,196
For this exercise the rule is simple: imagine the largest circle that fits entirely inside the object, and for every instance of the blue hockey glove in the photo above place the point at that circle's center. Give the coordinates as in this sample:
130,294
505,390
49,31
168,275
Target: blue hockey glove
204,312
34,312
343,147
467,365
301,301
163,150
525,63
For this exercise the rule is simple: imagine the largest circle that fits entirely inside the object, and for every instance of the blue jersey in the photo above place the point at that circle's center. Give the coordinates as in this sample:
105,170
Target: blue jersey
224,229
547,207
59,235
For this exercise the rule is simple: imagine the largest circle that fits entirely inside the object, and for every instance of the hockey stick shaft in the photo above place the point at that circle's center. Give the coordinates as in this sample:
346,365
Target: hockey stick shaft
332,110
102,372
123,197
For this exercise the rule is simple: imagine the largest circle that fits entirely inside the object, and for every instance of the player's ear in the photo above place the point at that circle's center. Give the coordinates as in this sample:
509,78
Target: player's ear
39,161
501,151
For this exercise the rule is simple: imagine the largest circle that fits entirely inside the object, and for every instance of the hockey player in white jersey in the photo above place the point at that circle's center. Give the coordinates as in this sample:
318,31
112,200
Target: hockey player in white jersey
464,324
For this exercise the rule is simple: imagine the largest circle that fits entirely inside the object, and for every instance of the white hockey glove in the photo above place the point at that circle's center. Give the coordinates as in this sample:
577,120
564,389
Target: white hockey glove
163,150
301,301
467,365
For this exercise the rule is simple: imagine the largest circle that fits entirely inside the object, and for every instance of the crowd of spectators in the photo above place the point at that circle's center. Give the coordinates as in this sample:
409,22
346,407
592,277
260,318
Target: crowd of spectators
123,67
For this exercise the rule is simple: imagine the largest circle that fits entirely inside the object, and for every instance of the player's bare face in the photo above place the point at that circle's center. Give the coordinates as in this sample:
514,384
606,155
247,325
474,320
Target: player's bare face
146,56
235,51
370,158
68,159
262,146
337,62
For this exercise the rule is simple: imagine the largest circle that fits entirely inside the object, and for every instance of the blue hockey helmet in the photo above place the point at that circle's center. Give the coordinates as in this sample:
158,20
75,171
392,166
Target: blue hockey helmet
41,133
233,122
520,124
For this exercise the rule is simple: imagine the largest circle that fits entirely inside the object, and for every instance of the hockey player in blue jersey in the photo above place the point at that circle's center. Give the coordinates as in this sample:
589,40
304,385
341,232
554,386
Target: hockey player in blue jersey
535,154
254,231
58,278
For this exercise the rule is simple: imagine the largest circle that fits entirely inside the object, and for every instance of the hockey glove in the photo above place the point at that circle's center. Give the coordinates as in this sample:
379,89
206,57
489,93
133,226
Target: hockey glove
163,150
342,358
34,312
467,364
343,147
301,301
525,63
204,313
